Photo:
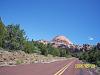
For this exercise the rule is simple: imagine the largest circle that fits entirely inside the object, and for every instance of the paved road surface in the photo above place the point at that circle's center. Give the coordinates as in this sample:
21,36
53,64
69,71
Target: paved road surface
64,67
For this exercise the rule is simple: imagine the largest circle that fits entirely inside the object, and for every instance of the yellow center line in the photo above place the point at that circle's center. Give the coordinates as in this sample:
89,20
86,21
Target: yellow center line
61,71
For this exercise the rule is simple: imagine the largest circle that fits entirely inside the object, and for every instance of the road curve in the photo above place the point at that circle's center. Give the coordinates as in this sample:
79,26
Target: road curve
64,67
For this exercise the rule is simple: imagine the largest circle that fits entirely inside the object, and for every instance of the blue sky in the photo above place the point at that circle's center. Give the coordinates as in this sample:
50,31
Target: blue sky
78,20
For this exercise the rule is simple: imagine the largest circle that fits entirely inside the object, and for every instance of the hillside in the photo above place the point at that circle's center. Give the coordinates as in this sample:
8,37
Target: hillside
20,57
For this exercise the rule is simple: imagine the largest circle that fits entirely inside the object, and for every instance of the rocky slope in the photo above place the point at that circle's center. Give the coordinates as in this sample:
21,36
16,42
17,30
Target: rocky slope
19,57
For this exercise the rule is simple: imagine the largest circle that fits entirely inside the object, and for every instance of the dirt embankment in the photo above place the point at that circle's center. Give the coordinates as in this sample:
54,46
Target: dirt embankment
19,57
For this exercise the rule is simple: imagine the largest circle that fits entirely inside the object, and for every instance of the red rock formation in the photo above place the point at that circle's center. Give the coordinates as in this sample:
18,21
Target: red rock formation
62,40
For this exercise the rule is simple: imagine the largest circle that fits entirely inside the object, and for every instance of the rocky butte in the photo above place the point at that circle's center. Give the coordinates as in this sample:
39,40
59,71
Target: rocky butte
58,41
61,41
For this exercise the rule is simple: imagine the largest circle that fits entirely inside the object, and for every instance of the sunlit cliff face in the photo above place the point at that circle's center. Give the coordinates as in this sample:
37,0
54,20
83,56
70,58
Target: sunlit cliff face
62,40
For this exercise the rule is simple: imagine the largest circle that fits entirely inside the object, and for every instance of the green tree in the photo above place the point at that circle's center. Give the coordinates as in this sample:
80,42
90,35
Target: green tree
2,33
15,37
52,50
43,48
55,52
29,47
63,52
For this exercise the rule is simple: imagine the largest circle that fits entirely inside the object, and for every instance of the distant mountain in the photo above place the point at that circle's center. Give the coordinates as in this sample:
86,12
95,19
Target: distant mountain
62,39
57,40
63,42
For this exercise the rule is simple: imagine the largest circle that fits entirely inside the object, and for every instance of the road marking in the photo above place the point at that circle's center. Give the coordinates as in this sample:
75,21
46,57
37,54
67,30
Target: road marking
61,71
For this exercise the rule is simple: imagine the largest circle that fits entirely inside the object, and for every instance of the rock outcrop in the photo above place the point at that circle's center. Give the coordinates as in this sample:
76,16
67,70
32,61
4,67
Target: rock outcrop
61,41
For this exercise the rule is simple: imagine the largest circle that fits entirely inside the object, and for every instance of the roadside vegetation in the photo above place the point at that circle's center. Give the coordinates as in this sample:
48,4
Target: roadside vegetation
13,38
91,56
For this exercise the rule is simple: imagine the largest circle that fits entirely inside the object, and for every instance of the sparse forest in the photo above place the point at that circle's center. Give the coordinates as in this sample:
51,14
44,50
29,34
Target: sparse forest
13,38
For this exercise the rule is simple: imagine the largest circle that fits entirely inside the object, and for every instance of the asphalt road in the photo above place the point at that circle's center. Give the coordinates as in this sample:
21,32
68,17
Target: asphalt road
64,67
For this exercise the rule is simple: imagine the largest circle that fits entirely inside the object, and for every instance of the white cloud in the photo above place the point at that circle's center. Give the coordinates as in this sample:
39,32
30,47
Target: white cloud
91,38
